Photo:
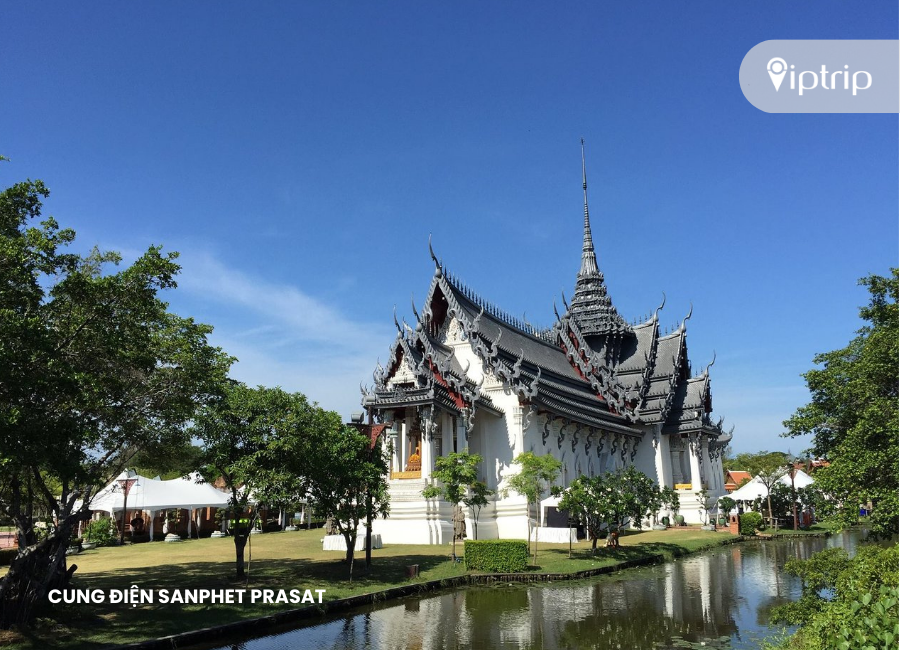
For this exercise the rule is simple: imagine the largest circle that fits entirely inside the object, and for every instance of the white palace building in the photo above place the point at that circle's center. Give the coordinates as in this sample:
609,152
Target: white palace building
594,391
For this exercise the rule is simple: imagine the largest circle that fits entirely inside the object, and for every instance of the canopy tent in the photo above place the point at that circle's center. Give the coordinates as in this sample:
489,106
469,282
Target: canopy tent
750,491
755,489
801,479
153,494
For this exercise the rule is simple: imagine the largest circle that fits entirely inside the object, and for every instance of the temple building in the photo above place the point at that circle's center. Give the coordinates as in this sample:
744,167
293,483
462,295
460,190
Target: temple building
595,391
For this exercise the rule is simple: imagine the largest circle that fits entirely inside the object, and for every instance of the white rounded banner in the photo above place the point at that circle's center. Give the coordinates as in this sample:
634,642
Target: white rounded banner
823,76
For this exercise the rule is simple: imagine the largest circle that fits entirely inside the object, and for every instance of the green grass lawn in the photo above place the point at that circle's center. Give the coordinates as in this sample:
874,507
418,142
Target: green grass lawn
284,560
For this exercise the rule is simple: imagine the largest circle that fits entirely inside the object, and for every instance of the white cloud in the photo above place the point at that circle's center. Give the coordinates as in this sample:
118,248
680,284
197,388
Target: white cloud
305,317
282,336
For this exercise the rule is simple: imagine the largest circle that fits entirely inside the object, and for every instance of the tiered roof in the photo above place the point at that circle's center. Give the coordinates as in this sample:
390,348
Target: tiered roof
591,368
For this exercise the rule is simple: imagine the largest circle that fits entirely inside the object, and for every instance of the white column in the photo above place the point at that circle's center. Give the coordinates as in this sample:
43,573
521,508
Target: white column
695,451
427,444
152,521
518,431
461,433
704,461
395,449
404,428
663,461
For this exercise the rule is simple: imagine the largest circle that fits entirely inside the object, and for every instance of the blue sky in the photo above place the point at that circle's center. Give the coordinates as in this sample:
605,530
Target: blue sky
299,154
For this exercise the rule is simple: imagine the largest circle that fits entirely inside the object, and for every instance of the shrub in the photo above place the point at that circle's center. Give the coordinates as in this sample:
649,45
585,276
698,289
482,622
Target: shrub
496,555
846,603
750,522
101,532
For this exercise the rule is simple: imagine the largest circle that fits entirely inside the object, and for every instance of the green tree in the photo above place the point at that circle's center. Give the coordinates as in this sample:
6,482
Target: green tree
346,477
611,501
586,499
245,437
457,473
535,475
853,413
93,369
476,499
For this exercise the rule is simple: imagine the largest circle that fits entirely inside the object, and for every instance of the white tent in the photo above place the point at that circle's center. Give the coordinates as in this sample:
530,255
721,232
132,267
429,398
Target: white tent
152,494
750,491
755,489
801,479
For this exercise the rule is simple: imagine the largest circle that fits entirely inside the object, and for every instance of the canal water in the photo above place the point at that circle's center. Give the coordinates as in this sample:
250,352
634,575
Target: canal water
721,598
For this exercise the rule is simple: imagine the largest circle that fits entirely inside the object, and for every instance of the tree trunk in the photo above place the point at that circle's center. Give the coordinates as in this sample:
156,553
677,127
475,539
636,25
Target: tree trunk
240,542
528,519
368,530
794,500
350,539
32,574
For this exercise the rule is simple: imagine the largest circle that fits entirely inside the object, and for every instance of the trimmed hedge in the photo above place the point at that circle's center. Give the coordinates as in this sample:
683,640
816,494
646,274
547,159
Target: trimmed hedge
750,522
496,555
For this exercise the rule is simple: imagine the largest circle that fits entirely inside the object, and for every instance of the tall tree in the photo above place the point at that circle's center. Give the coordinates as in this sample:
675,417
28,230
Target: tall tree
532,481
345,474
456,473
853,414
245,437
93,369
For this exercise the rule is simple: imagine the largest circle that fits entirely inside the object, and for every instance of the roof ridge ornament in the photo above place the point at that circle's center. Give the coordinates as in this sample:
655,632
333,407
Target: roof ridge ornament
661,305
438,266
710,364
687,318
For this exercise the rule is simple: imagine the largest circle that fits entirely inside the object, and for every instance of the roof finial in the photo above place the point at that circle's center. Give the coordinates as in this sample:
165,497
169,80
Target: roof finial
588,257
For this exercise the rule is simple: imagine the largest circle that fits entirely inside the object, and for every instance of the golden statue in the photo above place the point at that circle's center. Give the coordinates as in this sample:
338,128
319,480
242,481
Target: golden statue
414,463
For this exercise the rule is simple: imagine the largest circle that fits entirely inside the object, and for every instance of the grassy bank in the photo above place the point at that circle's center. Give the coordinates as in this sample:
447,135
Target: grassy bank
288,560
818,529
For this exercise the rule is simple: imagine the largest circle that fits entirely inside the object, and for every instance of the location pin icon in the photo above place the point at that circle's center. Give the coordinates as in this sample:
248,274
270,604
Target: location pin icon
776,68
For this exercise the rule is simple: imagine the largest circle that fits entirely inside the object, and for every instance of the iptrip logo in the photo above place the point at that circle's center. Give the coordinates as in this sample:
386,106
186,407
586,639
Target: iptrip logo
824,79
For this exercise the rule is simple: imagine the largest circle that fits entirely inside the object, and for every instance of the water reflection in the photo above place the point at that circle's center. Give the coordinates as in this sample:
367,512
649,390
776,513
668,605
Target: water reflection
727,592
